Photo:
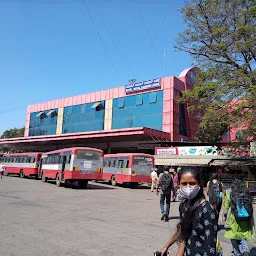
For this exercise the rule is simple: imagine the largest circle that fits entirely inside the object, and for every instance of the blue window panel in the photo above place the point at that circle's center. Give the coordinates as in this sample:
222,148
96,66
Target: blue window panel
153,97
139,99
115,103
83,108
130,101
69,110
160,96
145,98
47,121
83,117
76,109
139,111
121,102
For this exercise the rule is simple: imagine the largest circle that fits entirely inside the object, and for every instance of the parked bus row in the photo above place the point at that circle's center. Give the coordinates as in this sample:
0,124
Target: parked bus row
80,164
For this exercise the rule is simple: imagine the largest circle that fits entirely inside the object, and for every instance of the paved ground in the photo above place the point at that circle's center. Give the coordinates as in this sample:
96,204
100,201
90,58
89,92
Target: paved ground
42,219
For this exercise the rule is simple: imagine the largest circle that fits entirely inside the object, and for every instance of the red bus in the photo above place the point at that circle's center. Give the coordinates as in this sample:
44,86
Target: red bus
130,168
79,164
23,164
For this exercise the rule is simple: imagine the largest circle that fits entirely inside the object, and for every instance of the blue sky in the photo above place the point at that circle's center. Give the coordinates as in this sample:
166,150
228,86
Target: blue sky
50,49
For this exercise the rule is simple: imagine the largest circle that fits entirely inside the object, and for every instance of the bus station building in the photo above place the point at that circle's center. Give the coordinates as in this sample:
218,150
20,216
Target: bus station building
122,119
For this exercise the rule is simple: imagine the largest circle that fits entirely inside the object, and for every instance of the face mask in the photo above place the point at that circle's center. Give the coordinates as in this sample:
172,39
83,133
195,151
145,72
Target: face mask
190,193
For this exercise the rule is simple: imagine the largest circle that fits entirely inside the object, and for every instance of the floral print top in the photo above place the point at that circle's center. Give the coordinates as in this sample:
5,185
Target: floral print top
203,238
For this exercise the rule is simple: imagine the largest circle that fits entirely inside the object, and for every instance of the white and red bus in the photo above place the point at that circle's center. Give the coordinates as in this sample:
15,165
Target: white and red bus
22,164
79,164
132,168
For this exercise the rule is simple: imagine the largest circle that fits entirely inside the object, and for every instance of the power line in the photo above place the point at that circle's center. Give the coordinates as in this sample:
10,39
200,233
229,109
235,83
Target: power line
155,36
11,110
152,43
101,40
118,51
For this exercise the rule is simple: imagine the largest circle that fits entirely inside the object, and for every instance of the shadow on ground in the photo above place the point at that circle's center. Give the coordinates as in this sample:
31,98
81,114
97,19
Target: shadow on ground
174,218
89,186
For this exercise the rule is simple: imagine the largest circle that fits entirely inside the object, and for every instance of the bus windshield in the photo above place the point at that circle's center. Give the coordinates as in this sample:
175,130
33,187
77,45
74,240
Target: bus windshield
88,155
143,161
142,165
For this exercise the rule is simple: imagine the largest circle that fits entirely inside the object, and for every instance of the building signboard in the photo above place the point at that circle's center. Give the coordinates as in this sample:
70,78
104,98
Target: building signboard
141,86
166,151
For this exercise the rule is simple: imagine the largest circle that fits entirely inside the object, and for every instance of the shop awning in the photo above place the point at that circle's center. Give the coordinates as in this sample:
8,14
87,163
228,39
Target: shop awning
231,162
182,162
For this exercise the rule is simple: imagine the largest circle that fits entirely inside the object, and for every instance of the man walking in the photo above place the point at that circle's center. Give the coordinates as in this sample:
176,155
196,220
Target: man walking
2,169
165,183
154,179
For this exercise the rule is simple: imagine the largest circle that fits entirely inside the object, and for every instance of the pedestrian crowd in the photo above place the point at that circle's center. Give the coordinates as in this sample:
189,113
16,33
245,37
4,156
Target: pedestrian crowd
197,231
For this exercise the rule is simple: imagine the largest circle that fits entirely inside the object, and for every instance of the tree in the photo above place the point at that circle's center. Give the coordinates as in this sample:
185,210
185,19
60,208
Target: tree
13,133
221,37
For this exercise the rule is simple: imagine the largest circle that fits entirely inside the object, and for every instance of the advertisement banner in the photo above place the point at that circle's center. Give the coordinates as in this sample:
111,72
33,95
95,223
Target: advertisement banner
198,151
141,86
187,151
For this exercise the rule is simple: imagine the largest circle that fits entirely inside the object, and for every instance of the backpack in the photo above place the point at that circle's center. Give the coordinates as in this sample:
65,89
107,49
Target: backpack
166,183
215,190
243,210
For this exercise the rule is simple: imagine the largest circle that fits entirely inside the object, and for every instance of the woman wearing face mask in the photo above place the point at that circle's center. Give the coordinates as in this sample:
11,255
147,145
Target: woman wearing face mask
197,230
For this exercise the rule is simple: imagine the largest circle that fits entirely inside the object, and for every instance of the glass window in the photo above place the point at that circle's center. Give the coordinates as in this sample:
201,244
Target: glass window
69,110
139,99
153,97
120,103
83,108
182,120
120,163
142,161
88,155
76,109
127,164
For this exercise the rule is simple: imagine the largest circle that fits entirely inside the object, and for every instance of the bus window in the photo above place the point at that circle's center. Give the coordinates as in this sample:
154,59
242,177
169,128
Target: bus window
126,164
44,160
120,163
105,163
68,158
58,159
88,155
32,159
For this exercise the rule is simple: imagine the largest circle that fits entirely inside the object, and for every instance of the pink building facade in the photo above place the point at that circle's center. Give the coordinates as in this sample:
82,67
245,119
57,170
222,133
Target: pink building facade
151,104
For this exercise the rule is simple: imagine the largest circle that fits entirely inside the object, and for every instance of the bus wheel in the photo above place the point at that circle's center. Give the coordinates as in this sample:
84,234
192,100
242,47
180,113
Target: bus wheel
44,179
22,174
82,183
58,183
113,180
6,173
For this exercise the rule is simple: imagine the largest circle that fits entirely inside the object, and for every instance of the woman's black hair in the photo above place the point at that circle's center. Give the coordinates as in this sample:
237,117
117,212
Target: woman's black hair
184,228
214,176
